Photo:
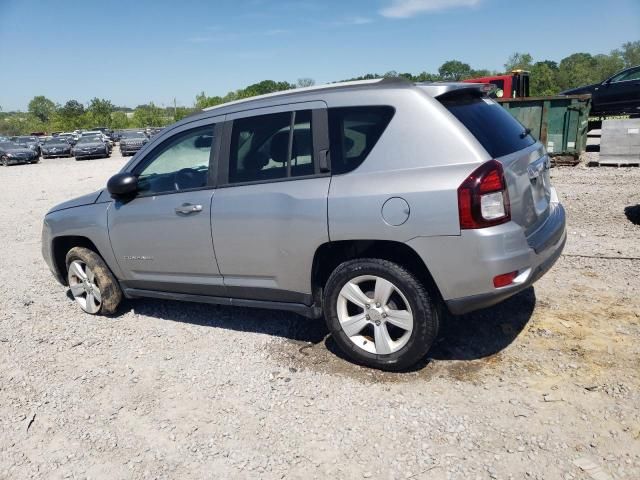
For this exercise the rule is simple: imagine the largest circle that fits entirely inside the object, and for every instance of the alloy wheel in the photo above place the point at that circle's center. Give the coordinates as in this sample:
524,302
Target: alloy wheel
375,314
83,287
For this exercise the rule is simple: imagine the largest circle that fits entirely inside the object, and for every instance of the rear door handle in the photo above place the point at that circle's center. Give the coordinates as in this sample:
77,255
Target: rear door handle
188,208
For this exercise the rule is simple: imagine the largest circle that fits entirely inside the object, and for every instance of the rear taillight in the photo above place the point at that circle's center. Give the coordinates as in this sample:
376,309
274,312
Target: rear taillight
483,199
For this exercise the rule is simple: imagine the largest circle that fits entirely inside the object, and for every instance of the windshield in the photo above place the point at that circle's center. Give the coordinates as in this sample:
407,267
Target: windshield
26,139
8,145
91,139
138,135
55,140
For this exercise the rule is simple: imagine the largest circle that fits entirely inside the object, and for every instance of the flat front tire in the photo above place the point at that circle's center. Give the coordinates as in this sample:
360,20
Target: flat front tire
93,286
380,314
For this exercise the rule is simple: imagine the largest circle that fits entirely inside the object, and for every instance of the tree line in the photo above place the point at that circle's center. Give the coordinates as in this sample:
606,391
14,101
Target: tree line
548,77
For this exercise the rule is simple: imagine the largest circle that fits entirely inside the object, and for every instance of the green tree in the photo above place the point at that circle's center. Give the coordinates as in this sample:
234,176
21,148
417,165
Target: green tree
70,116
607,65
148,115
518,61
454,70
305,82
42,108
99,112
577,69
119,120
630,53
544,78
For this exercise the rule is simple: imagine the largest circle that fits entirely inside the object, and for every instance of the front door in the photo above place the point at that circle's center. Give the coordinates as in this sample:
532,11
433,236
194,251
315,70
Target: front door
269,213
162,238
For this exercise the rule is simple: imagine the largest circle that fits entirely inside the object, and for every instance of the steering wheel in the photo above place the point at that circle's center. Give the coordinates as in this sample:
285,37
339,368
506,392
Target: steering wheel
187,178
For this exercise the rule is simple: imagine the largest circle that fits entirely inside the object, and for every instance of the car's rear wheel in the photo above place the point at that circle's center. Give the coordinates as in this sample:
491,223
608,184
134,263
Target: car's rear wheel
5,161
92,284
380,314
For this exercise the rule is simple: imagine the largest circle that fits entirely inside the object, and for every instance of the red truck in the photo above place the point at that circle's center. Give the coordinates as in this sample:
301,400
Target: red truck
513,85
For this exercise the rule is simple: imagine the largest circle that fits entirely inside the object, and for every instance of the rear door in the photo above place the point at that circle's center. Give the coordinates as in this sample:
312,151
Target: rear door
525,162
269,213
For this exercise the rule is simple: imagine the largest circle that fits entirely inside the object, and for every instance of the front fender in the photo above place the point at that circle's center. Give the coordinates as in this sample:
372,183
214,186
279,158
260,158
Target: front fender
86,222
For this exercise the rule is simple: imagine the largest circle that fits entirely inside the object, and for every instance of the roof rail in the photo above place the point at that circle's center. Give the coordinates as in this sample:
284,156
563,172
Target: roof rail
377,82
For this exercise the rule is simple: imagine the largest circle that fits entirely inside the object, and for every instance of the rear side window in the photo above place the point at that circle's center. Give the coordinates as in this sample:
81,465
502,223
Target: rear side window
354,131
263,147
499,133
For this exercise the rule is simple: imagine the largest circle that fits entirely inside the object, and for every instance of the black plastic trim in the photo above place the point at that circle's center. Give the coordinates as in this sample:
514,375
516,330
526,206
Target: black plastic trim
301,309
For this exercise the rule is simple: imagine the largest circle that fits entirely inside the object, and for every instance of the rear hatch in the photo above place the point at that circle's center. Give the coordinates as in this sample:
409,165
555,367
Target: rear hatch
525,162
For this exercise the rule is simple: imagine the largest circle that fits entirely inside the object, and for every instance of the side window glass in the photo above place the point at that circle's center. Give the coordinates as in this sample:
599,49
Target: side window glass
262,147
181,163
630,75
353,132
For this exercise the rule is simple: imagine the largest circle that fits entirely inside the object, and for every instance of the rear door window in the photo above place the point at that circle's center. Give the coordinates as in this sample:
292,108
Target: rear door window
353,132
264,149
499,133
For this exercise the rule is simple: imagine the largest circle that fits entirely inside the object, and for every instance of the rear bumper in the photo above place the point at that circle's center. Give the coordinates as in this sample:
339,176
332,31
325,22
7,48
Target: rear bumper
463,267
459,306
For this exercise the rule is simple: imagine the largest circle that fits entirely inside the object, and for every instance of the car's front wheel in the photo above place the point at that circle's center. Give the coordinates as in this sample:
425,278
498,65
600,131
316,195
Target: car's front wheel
380,314
92,284
4,161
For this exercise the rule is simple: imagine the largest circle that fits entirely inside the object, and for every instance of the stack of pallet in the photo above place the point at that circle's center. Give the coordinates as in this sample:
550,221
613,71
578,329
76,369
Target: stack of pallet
620,143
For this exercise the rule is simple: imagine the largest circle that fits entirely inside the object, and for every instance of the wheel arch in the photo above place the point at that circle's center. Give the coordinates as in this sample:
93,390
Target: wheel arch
61,246
331,254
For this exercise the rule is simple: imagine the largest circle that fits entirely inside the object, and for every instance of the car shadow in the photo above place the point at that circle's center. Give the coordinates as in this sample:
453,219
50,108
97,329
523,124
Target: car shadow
475,335
633,214
254,320
485,332
467,337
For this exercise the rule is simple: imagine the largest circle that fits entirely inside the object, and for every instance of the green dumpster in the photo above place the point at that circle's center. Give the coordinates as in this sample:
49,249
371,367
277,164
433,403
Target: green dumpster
560,123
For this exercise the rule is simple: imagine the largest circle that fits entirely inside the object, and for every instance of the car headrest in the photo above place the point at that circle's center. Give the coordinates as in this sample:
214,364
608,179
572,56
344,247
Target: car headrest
302,143
280,147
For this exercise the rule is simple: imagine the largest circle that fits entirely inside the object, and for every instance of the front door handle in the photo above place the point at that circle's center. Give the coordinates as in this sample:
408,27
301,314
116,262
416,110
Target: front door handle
188,208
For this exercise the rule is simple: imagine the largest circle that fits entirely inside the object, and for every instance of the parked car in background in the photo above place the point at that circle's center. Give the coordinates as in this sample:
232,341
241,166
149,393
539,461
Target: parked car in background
91,146
617,95
56,147
434,198
13,153
131,142
71,138
31,142
101,136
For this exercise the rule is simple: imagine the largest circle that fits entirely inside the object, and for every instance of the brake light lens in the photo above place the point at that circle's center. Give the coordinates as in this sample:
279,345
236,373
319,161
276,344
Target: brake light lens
483,198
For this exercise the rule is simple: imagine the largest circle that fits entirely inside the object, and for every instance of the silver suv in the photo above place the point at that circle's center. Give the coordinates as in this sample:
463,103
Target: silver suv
377,204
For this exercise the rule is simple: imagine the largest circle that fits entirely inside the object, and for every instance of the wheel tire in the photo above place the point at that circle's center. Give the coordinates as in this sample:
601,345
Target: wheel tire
4,161
109,288
423,309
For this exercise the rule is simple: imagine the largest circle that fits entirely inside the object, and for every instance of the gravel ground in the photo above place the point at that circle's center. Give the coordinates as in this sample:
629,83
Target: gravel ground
544,386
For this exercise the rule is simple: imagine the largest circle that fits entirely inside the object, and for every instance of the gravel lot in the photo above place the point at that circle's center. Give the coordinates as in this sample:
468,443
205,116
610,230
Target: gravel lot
545,386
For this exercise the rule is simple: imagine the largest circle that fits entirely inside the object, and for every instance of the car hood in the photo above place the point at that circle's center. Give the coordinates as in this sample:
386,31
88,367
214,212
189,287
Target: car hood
77,202
581,90
56,145
19,150
89,145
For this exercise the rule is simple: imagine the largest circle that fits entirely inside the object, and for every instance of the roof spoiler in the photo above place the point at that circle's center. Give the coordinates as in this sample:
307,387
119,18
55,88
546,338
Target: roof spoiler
437,89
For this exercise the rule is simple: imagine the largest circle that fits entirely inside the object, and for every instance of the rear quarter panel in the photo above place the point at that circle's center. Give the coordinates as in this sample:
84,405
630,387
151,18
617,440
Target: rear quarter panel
422,157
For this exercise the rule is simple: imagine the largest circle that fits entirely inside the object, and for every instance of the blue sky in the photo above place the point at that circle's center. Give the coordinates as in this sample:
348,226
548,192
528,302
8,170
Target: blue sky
134,52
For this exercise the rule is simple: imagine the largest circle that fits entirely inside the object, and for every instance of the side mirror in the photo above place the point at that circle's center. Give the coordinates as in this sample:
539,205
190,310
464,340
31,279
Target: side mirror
122,185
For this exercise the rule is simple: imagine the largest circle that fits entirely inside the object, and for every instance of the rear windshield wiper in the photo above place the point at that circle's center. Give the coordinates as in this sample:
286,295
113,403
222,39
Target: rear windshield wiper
525,132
